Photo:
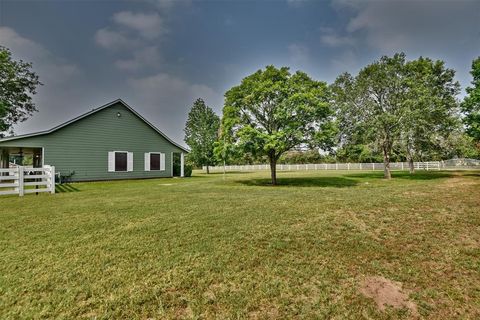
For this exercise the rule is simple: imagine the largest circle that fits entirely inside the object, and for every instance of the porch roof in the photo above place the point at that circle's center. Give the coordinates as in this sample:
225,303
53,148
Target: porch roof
25,150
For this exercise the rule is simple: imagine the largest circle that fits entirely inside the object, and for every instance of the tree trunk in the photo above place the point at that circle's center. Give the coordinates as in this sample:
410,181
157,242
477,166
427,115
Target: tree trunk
410,157
411,165
273,169
386,162
208,169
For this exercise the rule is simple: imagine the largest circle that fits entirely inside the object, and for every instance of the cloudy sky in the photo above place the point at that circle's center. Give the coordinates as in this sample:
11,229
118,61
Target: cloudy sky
160,55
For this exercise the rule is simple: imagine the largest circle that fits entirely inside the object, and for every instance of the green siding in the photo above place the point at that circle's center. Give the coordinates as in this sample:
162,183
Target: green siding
83,146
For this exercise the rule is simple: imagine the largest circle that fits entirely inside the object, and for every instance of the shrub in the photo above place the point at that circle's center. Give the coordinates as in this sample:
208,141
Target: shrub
187,170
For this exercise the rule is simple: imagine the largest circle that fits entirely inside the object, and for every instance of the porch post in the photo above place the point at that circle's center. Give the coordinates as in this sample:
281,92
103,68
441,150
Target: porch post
3,158
182,164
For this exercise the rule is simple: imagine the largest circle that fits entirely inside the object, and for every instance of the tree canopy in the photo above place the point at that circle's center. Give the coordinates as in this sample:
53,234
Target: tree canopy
18,83
201,132
471,104
273,111
432,111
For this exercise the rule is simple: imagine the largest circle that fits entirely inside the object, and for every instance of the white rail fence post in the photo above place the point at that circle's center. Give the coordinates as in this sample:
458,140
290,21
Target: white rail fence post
20,181
52,179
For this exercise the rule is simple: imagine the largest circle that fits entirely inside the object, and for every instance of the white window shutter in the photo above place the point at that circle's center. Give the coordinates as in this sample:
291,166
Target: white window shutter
111,161
162,161
147,161
129,161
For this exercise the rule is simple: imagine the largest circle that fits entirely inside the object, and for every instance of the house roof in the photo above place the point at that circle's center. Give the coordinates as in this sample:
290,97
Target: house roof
90,113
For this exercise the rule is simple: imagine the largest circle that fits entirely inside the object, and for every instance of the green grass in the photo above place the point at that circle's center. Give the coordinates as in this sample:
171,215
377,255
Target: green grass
206,248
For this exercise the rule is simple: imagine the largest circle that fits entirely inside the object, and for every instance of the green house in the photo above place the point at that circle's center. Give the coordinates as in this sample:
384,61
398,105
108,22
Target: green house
109,142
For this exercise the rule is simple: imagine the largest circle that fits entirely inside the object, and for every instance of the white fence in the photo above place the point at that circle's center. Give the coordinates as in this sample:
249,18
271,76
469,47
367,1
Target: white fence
23,180
429,165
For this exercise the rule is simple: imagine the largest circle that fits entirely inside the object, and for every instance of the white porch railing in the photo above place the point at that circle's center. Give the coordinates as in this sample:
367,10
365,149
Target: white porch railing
23,180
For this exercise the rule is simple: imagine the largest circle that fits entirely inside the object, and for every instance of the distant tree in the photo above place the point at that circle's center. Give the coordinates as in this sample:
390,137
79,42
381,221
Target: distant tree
201,133
431,109
395,104
358,152
18,84
373,104
459,145
273,111
471,104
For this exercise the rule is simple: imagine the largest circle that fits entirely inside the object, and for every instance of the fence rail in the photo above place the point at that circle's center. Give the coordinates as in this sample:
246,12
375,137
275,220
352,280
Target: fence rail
428,165
23,180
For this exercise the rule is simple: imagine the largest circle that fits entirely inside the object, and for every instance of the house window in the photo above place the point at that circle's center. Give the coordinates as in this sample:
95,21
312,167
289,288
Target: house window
120,161
154,161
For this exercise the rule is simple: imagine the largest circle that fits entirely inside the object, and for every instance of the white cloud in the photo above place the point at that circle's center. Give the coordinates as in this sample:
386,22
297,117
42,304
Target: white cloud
109,39
299,54
136,35
146,57
20,45
51,69
332,39
148,25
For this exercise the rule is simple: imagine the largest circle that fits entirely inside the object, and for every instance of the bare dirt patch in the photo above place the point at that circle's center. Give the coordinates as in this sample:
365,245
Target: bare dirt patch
386,292
264,312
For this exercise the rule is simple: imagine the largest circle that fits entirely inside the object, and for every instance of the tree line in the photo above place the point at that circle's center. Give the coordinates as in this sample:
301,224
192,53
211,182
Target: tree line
392,109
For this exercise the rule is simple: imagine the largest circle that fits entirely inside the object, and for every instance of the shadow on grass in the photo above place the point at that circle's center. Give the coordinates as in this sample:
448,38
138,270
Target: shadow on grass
417,175
216,174
470,174
64,188
335,182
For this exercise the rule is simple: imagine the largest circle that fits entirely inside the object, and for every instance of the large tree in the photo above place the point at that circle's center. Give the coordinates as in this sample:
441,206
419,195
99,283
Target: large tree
372,104
471,104
201,133
273,111
18,84
431,109
393,104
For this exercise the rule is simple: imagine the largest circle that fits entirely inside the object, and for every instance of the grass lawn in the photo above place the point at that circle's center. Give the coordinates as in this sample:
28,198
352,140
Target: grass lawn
206,248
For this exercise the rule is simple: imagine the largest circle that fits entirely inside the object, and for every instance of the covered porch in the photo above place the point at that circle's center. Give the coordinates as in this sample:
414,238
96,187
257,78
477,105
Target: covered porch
21,156
178,164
